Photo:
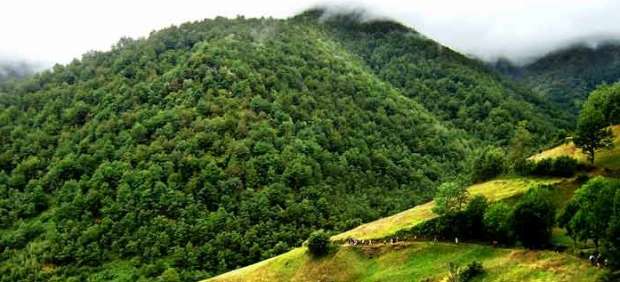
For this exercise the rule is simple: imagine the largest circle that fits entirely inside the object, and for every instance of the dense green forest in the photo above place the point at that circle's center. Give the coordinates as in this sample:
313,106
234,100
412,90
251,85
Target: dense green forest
219,143
567,76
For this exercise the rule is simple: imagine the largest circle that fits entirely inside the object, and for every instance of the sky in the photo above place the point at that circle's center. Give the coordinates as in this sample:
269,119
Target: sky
48,32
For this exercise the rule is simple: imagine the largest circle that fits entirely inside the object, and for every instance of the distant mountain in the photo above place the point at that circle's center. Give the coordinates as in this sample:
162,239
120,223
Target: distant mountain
455,88
567,76
219,143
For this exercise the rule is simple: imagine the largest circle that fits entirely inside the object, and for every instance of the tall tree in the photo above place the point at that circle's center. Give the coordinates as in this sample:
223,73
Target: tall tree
450,198
533,218
592,132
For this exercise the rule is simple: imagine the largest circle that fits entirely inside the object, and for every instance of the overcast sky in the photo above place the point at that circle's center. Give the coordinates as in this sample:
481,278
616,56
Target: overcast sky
57,31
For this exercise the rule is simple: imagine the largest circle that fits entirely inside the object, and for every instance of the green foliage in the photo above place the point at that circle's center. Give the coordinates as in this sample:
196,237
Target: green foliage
466,224
595,202
533,217
592,131
488,164
520,147
593,215
319,243
562,166
471,271
219,143
464,274
450,198
475,211
567,76
497,222
169,275
605,99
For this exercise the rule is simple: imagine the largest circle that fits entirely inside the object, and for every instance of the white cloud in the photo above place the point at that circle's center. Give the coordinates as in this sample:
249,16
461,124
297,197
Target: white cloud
57,31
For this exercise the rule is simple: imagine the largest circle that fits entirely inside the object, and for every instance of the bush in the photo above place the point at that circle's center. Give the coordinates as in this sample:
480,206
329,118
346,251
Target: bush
472,270
319,243
488,164
450,198
460,274
474,213
497,222
563,166
465,224
533,218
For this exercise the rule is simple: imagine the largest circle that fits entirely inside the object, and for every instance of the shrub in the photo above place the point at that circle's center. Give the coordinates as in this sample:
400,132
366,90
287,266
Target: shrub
319,243
460,274
472,270
465,224
533,218
451,198
563,166
497,222
474,213
488,164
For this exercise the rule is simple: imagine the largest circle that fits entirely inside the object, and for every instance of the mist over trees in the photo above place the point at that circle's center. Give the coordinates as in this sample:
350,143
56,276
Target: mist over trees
15,70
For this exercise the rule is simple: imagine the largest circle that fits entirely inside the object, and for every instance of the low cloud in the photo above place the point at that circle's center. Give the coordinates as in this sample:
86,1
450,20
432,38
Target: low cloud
57,31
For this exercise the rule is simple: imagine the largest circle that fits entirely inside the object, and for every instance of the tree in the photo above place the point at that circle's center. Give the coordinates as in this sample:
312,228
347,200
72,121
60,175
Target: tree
606,99
592,133
488,163
474,213
520,146
450,198
595,204
564,220
533,218
597,113
319,243
497,222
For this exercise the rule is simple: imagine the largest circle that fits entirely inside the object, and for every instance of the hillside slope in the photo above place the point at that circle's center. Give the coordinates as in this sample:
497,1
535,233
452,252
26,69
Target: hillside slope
460,91
605,158
217,144
428,261
417,261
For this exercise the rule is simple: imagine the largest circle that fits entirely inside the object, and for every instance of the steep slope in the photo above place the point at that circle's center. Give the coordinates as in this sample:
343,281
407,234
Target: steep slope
567,76
414,260
205,148
458,90
219,143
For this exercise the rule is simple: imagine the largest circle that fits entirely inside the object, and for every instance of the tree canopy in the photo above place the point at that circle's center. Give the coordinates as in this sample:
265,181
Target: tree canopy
216,144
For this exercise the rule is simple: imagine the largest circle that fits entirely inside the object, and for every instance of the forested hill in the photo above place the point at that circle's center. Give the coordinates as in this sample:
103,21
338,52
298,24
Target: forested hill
567,76
458,90
219,143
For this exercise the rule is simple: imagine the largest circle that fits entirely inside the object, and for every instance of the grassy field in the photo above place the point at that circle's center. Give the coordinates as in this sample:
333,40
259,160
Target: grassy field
607,158
416,262
494,190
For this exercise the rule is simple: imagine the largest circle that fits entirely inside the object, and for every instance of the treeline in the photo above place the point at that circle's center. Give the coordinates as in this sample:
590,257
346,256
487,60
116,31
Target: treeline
463,218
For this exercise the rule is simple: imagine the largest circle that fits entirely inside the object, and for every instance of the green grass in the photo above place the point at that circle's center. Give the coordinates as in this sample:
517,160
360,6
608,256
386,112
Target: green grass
415,262
422,260
606,158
